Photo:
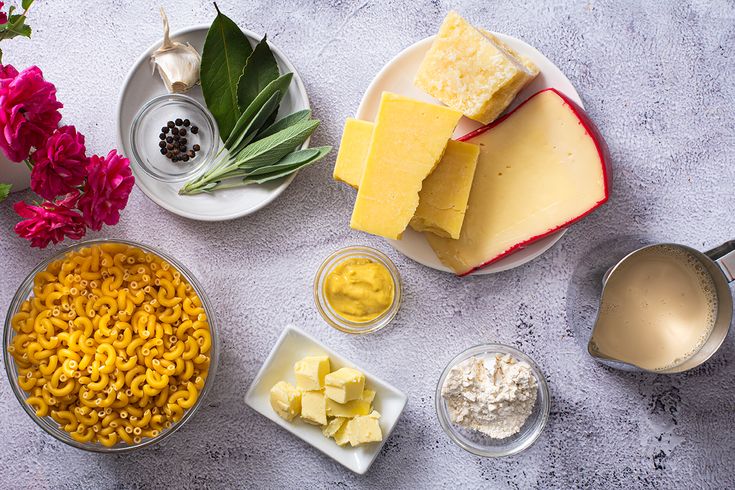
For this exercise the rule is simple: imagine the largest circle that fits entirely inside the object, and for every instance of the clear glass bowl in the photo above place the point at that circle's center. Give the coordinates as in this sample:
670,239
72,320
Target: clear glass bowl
326,310
50,425
146,128
481,444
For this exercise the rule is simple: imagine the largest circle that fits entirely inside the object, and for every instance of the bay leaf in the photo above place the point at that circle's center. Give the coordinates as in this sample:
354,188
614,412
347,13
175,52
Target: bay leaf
260,69
225,53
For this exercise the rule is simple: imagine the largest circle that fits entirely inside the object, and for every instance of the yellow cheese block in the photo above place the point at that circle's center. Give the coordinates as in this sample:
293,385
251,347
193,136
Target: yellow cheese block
353,150
408,141
524,60
443,198
444,193
470,71
285,400
540,168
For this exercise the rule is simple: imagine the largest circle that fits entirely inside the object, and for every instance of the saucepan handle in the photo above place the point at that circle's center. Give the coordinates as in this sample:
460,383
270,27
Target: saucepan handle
724,256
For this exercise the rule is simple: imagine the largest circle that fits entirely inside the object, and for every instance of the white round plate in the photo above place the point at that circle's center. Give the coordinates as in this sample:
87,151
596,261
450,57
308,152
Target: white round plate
141,86
397,76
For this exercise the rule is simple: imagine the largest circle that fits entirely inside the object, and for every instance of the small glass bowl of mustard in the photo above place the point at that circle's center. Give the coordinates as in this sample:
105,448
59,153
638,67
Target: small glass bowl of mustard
357,290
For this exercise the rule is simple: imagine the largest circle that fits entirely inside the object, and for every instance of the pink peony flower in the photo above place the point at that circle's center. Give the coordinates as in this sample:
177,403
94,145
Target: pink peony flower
50,222
109,182
3,15
59,165
29,112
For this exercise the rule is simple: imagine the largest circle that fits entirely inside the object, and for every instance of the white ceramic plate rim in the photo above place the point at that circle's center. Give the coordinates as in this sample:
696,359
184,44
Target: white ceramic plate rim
511,261
375,381
141,178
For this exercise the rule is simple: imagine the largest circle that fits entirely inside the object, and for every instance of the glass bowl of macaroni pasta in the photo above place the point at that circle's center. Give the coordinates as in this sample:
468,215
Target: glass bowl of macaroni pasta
110,345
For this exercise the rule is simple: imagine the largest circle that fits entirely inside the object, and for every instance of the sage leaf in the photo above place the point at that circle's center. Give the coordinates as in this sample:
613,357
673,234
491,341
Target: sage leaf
278,85
4,191
277,174
260,69
285,122
225,53
294,160
241,136
271,149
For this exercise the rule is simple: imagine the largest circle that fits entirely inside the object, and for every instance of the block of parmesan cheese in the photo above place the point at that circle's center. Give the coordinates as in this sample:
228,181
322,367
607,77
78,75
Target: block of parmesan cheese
353,149
471,71
444,193
541,168
408,141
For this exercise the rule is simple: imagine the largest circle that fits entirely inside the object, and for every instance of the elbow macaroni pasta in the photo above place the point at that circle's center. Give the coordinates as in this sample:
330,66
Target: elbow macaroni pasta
113,344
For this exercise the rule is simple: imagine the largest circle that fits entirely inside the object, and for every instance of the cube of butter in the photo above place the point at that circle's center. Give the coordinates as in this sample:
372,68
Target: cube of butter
344,385
352,408
285,400
364,429
310,372
313,408
333,426
470,72
341,437
352,151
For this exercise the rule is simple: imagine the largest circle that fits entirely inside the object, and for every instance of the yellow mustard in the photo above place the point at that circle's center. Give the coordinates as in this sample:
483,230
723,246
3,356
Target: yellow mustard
359,289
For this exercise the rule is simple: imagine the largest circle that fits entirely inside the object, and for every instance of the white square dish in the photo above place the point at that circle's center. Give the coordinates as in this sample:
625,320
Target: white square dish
293,345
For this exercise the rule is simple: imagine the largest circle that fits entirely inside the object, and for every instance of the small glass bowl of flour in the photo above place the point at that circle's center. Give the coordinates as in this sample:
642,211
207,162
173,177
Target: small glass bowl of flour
492,400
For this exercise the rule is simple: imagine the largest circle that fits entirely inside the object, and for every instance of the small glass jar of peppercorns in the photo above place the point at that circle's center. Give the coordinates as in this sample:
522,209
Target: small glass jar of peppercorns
174,142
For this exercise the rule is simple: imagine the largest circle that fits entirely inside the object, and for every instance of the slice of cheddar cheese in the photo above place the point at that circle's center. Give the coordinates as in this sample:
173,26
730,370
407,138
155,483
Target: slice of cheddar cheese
541,168
443,198
472,72
444,193
408,141
353,150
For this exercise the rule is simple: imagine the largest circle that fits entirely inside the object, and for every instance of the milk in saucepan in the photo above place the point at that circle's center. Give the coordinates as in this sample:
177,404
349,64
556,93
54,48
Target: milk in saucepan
658,308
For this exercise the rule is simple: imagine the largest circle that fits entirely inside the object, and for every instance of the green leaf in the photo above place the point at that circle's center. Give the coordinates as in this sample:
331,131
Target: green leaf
15,27
260,70
275,173
280,85
247,135
271,149
285,122
226,50
4,191
26,4
294,160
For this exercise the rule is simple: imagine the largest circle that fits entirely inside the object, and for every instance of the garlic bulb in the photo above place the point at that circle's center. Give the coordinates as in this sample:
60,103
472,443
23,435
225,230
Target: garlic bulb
178,64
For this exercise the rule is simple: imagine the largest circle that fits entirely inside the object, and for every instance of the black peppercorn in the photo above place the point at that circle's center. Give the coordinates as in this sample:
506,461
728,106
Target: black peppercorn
185,158
169,154
175,131
176,151
162,144
165,129
170,124
169,139
170,146
182,141
179,122
187,122
194,130
196,147
182,132
163,151
191,154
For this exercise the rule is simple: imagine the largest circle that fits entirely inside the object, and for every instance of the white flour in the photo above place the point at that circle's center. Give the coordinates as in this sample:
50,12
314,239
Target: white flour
494,396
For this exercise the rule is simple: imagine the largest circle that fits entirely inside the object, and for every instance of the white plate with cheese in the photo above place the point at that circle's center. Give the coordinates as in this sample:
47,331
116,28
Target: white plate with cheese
398,77
292,346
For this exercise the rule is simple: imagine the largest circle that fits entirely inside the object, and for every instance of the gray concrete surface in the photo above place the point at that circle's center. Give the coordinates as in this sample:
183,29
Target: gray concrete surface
657,77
